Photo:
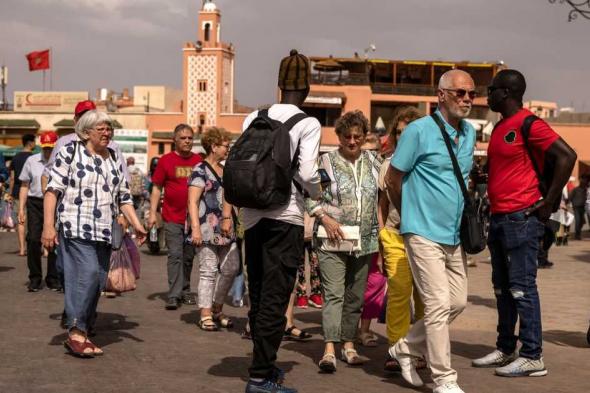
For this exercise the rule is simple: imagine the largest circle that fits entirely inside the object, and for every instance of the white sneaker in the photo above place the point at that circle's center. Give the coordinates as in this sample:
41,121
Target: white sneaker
409,373
494,359
523,367
449,387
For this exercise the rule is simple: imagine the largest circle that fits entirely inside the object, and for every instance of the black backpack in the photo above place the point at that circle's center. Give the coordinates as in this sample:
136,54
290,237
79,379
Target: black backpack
259,171
545,178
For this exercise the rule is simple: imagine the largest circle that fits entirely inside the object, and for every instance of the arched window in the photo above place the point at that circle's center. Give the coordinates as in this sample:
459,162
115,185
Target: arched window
207,31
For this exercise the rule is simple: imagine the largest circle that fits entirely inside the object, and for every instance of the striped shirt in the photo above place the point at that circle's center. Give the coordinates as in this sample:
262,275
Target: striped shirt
89,186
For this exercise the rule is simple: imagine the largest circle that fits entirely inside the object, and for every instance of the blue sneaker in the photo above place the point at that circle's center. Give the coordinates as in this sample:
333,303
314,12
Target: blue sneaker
267,386
278,376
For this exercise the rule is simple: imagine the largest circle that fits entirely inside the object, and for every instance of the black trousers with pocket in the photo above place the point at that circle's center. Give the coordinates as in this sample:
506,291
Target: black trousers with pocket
34,251
273,254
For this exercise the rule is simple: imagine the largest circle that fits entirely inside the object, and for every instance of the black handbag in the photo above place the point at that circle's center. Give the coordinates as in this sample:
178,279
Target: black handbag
473,231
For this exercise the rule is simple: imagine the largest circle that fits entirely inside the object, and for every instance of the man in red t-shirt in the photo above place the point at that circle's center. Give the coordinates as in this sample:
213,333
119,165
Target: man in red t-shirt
171,175
519,211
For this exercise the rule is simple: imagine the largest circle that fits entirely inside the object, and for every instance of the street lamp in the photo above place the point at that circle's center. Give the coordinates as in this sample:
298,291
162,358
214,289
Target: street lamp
373,48
578,8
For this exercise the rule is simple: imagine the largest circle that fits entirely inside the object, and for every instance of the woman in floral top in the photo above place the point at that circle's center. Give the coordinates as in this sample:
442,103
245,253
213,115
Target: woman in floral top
350,200
217,251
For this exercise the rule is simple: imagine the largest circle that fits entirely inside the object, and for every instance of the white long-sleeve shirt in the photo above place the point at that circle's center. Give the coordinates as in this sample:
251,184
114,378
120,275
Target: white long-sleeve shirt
306,134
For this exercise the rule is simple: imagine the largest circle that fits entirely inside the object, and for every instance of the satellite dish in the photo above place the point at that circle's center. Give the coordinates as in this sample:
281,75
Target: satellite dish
198,45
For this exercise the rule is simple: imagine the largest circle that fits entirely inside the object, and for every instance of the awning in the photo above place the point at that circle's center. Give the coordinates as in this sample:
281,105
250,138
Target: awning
325,99
30,124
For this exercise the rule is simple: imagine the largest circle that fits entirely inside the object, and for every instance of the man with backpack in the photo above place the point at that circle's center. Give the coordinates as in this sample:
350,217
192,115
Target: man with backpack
528,166
267,170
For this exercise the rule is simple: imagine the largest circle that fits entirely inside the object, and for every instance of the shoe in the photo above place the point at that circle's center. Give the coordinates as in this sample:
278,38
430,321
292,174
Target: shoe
172,304
327,364
32,288
301,302
495,359
409,373
449,387
523,367
188,299
267,386
278,376
546,265
316,301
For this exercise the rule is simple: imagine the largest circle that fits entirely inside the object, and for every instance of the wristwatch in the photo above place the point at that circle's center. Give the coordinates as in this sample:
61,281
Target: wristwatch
225,218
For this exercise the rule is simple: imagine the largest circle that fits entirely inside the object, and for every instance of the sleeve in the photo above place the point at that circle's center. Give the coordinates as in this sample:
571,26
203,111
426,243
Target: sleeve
60,171
121,161
198,177
407,151
4,175
159,176
382,172
248,120
124,193
58,145
541,136
309,148
25,174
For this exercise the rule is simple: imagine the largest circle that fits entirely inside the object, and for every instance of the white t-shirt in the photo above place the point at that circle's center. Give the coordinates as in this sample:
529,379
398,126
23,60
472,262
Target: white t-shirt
307,134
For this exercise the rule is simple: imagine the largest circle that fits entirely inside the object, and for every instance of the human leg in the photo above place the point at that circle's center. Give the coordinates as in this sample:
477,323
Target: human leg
34,228
174,242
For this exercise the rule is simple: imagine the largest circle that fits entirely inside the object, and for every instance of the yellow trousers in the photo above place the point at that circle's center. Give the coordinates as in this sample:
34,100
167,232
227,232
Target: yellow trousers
399,286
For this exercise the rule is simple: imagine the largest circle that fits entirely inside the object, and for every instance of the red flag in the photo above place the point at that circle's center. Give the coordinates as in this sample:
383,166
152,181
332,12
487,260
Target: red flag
38,60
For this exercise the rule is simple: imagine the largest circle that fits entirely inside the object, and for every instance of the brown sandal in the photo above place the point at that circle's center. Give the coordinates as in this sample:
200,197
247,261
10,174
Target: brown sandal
97,351
77,348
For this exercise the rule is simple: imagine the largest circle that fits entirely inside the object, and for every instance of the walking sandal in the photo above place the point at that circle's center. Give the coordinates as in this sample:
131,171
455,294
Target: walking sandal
328,363
352,357
78,348
294,333
207,324
223,320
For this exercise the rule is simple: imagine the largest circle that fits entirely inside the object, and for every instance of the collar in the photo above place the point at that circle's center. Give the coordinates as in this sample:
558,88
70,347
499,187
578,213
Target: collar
450,129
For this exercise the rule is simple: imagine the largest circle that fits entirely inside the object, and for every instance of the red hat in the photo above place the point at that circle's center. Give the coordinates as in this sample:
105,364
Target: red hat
84,106
48,139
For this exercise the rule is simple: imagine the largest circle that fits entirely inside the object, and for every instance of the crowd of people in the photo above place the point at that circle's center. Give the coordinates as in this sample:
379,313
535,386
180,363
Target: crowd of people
381,230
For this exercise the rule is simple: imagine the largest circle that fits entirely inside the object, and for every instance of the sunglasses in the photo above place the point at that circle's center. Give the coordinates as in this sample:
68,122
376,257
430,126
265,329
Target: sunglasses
460,93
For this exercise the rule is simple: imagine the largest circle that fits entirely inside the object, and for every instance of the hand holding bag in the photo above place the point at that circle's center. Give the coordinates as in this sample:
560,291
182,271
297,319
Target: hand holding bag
472,232
350,243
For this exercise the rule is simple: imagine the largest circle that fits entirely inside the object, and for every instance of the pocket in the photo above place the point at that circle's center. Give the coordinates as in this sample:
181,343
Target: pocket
514,233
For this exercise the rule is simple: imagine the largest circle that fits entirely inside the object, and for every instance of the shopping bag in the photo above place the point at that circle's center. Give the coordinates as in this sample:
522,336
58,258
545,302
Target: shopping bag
7,219
134,254
121,277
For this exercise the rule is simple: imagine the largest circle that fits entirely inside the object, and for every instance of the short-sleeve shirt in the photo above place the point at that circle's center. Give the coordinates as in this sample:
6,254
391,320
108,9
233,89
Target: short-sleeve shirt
16,166
210,205
90,187
172,173
432,202
512,182
393,219
31,173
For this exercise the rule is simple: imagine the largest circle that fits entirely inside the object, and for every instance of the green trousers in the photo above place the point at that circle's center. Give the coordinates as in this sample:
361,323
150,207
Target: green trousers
344,278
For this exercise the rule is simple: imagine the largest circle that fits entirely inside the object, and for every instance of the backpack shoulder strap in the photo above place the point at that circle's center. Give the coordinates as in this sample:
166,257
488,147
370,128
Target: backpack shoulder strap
525,131
293,120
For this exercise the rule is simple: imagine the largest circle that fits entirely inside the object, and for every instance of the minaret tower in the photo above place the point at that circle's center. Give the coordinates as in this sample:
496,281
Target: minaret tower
208,66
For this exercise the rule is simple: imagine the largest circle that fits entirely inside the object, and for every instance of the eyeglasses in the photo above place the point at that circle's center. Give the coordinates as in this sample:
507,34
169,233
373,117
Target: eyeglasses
492,89
103,130
460,93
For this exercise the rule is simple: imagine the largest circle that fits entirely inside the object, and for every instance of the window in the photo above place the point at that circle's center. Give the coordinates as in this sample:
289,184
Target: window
201,125
207,31
160,148
326,116
202,85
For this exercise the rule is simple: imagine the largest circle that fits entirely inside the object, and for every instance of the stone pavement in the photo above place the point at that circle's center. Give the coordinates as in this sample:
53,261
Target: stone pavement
150,350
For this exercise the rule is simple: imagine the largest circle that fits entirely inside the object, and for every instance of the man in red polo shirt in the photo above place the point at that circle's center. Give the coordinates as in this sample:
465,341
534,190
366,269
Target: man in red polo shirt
519,211
171,175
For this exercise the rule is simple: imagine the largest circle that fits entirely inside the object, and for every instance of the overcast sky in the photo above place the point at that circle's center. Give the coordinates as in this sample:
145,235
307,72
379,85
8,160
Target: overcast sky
122,43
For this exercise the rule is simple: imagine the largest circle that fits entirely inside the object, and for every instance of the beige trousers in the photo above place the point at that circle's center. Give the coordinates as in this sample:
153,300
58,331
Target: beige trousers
440,276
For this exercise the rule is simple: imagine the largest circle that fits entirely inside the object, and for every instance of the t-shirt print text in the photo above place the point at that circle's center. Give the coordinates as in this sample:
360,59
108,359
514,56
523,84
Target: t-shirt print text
183,171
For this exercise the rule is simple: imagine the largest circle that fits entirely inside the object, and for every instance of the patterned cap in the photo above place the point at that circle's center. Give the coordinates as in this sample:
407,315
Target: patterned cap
294,72
48,139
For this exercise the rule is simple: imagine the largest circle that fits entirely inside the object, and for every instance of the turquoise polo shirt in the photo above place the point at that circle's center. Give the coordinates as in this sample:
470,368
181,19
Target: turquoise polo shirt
432,202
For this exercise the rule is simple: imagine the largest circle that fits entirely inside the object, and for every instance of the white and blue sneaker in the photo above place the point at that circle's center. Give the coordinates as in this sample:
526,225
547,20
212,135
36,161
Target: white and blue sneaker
523,367
267,386
496,358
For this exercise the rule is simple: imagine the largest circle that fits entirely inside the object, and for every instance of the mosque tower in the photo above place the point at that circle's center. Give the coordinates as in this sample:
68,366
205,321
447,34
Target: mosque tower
208,69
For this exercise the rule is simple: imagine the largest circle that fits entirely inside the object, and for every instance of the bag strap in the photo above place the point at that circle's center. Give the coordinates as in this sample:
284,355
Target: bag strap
233,213
525,131
288,126
456,168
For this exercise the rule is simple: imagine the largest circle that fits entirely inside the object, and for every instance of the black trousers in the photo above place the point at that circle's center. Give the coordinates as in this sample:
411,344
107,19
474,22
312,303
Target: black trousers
273,254
579,214
34,252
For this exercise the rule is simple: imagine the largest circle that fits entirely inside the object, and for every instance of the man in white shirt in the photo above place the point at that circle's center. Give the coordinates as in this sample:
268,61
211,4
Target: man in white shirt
274,237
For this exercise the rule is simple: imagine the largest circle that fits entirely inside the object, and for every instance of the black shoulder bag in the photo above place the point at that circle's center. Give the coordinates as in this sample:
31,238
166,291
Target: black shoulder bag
472,232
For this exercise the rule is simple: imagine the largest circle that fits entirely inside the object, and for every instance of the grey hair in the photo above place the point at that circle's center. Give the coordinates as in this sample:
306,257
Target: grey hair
90,120
446,79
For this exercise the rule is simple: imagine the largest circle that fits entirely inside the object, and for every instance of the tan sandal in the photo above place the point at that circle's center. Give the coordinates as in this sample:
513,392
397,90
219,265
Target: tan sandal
352,358
328,363
207,324
223,320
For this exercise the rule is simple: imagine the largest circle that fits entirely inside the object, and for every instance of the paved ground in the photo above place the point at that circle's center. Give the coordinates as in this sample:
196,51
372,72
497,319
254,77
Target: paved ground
150,350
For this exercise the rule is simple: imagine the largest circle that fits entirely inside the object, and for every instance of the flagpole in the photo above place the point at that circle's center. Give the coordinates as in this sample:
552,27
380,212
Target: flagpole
43,80
51,68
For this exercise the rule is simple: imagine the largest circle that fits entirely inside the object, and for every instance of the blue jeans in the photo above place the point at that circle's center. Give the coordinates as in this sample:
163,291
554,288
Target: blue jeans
513,243
85,265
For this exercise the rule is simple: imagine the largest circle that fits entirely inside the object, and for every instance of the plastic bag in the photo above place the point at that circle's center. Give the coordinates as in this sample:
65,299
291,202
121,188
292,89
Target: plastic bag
121,277
134,254
7,220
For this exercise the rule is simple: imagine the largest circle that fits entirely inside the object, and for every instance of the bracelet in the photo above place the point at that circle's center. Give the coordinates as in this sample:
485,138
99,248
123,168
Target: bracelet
321,215
225,218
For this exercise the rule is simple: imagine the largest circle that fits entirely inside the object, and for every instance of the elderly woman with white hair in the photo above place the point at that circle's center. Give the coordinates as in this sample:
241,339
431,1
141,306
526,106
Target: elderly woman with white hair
87,187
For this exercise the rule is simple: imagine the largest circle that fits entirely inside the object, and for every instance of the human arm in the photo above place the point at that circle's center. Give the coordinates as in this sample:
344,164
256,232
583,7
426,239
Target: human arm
49,235
194,196
564,158
22,196
227,218
309,148
129,212
154,202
